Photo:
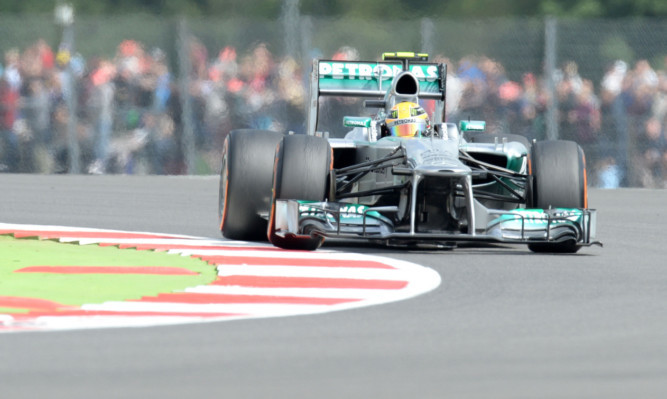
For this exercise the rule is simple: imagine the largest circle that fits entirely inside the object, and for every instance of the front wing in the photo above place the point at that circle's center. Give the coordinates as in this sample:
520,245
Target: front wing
353,221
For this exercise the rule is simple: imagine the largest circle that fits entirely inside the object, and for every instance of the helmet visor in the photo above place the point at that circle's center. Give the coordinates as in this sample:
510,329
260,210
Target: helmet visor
413,128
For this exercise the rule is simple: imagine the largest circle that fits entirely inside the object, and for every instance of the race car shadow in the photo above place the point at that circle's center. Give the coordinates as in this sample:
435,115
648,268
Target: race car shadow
466,248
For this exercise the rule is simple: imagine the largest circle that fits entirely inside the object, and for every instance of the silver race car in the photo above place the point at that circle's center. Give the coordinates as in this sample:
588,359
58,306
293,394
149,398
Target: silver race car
398,174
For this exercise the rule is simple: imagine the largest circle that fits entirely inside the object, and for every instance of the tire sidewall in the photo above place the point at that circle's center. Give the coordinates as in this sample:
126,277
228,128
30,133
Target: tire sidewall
558,175
558,180
301,168
246,178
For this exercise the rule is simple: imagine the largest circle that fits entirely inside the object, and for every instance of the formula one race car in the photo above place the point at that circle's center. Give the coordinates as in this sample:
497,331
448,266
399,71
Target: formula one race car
398,176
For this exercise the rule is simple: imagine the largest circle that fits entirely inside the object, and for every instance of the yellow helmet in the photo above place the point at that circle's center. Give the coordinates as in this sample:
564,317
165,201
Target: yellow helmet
407,119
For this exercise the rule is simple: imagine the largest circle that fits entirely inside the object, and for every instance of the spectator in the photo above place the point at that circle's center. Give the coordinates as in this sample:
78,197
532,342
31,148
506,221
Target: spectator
454,90
474,88
533,107
9,144
585,116
11,72
614,139
652,146
100,107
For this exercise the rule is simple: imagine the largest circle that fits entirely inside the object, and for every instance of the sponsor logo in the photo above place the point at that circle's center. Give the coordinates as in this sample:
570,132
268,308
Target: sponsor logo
351,211
434,158
355,123
305,210
542,218
404,121
352,208
369,71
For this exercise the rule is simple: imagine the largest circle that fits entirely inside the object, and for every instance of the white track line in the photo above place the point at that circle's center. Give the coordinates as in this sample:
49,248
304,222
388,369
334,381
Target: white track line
340,293
34,227
264,309
359,273
87,322
275,253
148,241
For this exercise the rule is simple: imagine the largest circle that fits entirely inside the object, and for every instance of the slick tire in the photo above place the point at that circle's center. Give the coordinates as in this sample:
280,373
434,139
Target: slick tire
302,165
559,181
245,183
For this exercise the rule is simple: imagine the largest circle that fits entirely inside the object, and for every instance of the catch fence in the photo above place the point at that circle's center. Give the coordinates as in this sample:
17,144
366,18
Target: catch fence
146,94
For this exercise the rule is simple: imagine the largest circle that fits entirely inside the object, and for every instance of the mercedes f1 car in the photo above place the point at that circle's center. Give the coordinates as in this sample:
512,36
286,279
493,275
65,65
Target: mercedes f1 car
399,176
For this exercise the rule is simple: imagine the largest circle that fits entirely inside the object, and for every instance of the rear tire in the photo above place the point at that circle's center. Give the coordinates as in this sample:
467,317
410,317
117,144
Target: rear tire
559,181
302,165
245,183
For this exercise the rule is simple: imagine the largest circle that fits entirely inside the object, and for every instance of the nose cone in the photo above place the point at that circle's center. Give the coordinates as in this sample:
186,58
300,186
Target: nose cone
434,155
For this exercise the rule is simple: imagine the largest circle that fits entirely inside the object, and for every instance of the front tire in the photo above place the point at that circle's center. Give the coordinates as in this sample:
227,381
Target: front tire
302,165
245,183
559,181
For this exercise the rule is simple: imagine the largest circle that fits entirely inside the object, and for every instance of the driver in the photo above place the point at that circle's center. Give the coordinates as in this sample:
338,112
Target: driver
407,119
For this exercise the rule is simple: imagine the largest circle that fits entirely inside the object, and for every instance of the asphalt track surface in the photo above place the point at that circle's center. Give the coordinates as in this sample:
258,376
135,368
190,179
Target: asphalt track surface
505,323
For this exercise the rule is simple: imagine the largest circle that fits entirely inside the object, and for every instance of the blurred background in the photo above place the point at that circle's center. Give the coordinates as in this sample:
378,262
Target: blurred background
154,86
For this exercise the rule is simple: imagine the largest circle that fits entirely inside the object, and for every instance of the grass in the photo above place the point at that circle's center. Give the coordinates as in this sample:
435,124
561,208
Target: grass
79,289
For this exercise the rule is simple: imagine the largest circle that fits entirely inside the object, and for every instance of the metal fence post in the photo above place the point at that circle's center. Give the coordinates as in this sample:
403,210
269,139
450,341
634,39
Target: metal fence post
290,19
550,59
185,67
427,28
64,15
72,121
306,32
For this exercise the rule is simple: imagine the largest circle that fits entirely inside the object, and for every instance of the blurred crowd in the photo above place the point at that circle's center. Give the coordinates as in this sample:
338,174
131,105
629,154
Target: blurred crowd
120,112
621,124
127,113
128,110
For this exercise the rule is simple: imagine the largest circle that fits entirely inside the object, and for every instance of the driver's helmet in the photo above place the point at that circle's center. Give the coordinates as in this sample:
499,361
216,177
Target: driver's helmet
407,119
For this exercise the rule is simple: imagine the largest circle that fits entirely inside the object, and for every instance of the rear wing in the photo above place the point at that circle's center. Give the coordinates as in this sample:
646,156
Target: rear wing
371,79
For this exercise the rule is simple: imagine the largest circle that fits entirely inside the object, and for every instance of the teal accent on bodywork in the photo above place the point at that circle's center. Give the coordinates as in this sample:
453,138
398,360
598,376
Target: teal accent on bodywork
539,218
515,163
349,213
472,126
356,121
